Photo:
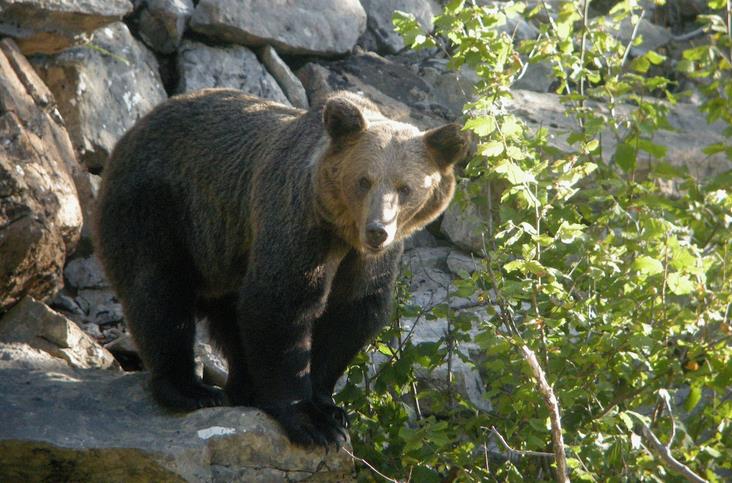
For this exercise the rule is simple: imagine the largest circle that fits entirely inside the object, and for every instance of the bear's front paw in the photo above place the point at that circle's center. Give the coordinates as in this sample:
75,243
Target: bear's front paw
188,396
307,425
328,406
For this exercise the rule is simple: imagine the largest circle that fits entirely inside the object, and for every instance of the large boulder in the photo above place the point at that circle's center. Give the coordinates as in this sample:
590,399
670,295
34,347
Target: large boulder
161,23
40,216
102,89
200,65
320,27
63,424
50,26
381,28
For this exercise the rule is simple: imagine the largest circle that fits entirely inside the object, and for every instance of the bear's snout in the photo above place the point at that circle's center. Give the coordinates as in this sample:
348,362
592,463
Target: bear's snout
376,235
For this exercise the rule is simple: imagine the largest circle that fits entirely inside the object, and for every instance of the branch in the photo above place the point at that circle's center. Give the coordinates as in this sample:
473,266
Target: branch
664,452
518,453
361,460
552,404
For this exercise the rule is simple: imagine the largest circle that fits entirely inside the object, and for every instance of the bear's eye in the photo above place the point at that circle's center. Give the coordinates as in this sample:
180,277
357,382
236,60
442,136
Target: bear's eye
404,191
364,183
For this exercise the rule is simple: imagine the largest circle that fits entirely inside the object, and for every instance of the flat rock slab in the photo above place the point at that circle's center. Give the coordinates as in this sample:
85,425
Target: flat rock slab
50,26
96,425
320,27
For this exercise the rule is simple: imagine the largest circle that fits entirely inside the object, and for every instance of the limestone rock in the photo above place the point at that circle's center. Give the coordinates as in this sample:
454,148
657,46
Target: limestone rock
95,425
50,26
465,222
653,36
685,143
40,217
398,92
19,355
161,23
102,92
85,272
200,66
320,27
379,22
287,80
35,324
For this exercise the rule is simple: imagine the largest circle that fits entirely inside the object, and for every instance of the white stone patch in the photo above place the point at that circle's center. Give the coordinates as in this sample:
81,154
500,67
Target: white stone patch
215,431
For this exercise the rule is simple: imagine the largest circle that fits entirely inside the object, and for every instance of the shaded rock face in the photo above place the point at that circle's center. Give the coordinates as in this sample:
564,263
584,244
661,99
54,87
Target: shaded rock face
161,23
97,425
102,92
49,26
321,27
381,28
40,216
200,66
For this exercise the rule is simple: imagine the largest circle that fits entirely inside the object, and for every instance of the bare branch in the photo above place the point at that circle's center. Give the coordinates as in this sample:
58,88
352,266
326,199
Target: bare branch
672,463
560,455
361,460
516,452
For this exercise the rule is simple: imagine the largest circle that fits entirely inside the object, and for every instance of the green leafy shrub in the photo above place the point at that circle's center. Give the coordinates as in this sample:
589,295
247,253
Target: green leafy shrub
609,262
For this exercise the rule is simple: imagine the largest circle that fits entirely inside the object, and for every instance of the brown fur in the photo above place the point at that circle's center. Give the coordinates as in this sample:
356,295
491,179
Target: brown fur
255,216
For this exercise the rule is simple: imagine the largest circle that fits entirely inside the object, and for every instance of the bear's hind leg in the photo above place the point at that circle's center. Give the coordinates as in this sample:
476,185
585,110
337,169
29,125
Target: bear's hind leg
224,331
160,313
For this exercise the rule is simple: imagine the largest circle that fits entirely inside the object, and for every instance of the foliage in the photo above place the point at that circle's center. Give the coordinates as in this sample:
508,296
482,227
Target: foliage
622,285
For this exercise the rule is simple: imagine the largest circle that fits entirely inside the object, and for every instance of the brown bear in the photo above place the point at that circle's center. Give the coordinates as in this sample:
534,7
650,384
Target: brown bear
282,228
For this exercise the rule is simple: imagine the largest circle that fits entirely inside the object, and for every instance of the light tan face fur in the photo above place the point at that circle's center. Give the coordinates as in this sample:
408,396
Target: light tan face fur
384,178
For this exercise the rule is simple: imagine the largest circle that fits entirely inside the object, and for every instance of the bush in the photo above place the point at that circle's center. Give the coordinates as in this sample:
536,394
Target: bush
622,286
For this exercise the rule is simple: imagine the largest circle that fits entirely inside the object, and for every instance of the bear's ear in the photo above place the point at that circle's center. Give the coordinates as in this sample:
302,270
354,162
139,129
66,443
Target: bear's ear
342,118
447,144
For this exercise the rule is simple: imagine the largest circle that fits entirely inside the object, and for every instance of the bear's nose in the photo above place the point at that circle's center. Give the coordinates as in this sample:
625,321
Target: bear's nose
376,234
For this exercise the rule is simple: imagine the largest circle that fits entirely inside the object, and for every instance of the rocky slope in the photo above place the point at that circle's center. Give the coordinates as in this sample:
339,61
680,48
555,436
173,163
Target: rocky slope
74,76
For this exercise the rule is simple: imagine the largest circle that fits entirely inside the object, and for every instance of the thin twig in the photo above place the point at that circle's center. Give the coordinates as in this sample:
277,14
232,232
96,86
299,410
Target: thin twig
632,38
516,452
369,465
664,453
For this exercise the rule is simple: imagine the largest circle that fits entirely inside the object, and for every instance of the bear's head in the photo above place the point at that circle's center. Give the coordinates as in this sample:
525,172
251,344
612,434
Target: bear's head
380,180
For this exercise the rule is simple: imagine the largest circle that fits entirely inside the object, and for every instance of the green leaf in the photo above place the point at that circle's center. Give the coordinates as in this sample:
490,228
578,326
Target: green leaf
513,173
680,284
482,126
625,155
491,149
655,150
647,265
695,395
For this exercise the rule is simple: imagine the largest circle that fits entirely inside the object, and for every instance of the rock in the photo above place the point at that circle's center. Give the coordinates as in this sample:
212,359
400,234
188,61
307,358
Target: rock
420,239
465,222
18,355
50,26
538,77
102,92
653,36
161,23
95,425
40,217
287,80
319,27
396,90
35,324
690,132
380,26
430,280
234,66
85,273
461,263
